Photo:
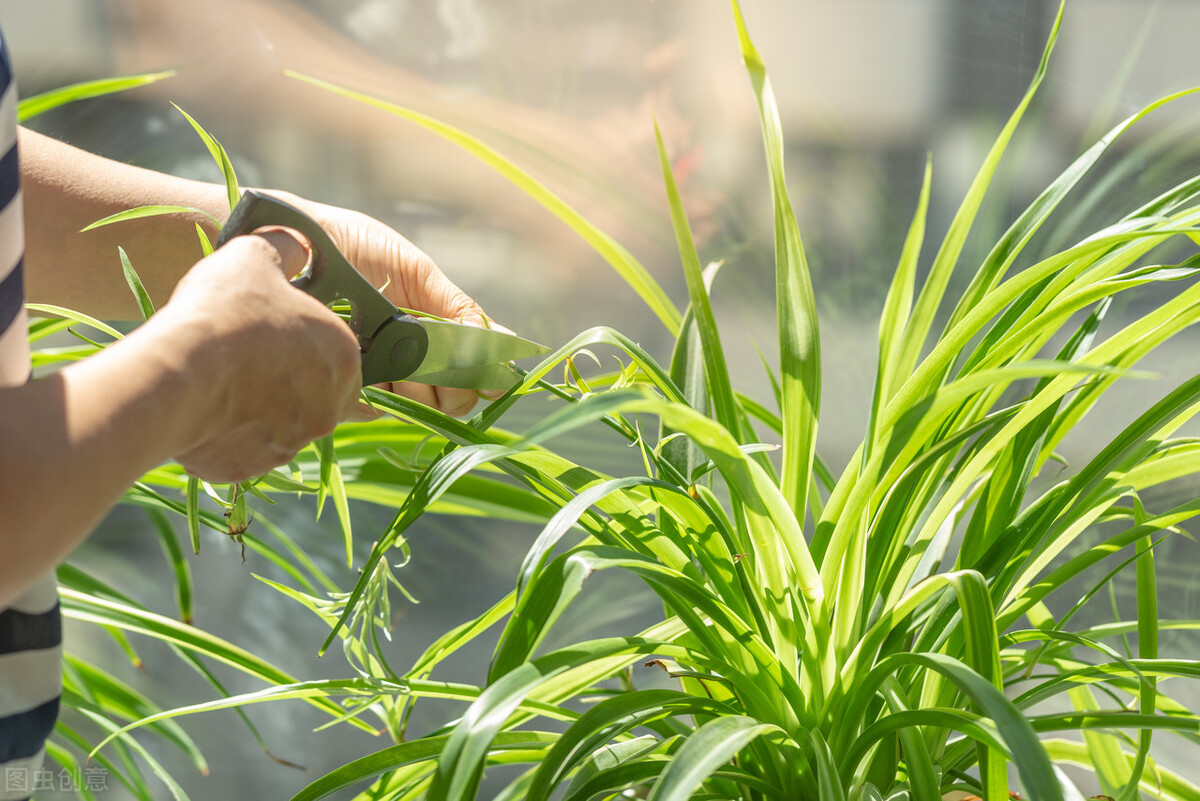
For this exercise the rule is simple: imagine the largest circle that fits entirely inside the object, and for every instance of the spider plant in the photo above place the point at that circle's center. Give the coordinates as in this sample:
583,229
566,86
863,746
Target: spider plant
908,628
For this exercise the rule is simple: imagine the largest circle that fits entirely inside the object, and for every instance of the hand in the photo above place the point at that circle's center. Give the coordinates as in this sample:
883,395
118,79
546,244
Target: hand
280,368
409,279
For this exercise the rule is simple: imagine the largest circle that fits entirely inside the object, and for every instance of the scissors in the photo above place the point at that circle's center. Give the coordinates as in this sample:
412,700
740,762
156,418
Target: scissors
395,345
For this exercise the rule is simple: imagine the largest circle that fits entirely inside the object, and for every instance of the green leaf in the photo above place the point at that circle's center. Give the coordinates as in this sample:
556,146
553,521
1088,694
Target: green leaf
796,308
460,766
333,485
1030,594
629,776
782,563
135,285
72,765
1022,230
141,212
634,274
715,368
322,689
733,649
1158,783
78,317
87,686
932,292
30,107
178,563
605,723
896,309
1032,762
1176,406
192,512
703,752
81,606
412,753
687,372
567,517
607,759
918,764
828,781
206,245
1148,616
219,155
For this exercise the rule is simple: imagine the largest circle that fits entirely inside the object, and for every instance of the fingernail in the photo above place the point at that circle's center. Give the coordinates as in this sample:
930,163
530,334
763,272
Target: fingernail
481,320
299,238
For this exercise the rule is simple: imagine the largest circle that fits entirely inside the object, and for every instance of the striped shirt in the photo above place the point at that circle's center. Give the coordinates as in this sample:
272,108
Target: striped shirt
31,628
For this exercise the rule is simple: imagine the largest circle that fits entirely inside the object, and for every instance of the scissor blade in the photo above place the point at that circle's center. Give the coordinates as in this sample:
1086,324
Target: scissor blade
471,357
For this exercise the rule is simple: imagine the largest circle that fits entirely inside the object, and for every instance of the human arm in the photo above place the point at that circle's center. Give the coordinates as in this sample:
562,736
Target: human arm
230,389
66,189
235,373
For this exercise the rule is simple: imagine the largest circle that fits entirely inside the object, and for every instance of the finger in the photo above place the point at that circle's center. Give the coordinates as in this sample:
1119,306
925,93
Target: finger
479,318
421,393
427,288
362,412
447,400
455,402
294,248
229,462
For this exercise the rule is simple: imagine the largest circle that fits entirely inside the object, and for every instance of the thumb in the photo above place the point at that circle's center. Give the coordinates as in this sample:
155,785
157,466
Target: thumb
293,247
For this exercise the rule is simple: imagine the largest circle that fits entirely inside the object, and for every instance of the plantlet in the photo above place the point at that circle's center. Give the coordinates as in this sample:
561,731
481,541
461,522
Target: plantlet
237,518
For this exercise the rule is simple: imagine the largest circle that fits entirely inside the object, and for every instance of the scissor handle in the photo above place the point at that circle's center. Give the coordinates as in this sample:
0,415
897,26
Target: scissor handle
393,344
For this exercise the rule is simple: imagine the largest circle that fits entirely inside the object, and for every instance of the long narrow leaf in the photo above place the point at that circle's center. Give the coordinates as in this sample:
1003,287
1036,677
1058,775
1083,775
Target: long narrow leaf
141,212
30,107
179,565
932,292
708,748
796,308
145,305
621,259
217,151
415,752
715,369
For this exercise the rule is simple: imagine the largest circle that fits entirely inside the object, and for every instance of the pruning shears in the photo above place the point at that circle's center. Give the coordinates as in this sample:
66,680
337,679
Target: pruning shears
395,345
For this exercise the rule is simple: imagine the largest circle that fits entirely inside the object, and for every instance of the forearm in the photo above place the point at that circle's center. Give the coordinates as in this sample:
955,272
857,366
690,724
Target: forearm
71,444
66,189
232,377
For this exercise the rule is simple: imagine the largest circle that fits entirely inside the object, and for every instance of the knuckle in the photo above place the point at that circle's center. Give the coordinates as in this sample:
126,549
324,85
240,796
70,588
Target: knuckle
456,403
341,367
347,360
321,425
464,309
277,247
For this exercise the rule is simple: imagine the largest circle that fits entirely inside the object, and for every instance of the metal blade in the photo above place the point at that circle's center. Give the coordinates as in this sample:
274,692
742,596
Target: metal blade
471,357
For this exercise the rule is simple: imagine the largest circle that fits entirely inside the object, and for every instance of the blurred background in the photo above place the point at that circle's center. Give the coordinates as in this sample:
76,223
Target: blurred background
570,90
